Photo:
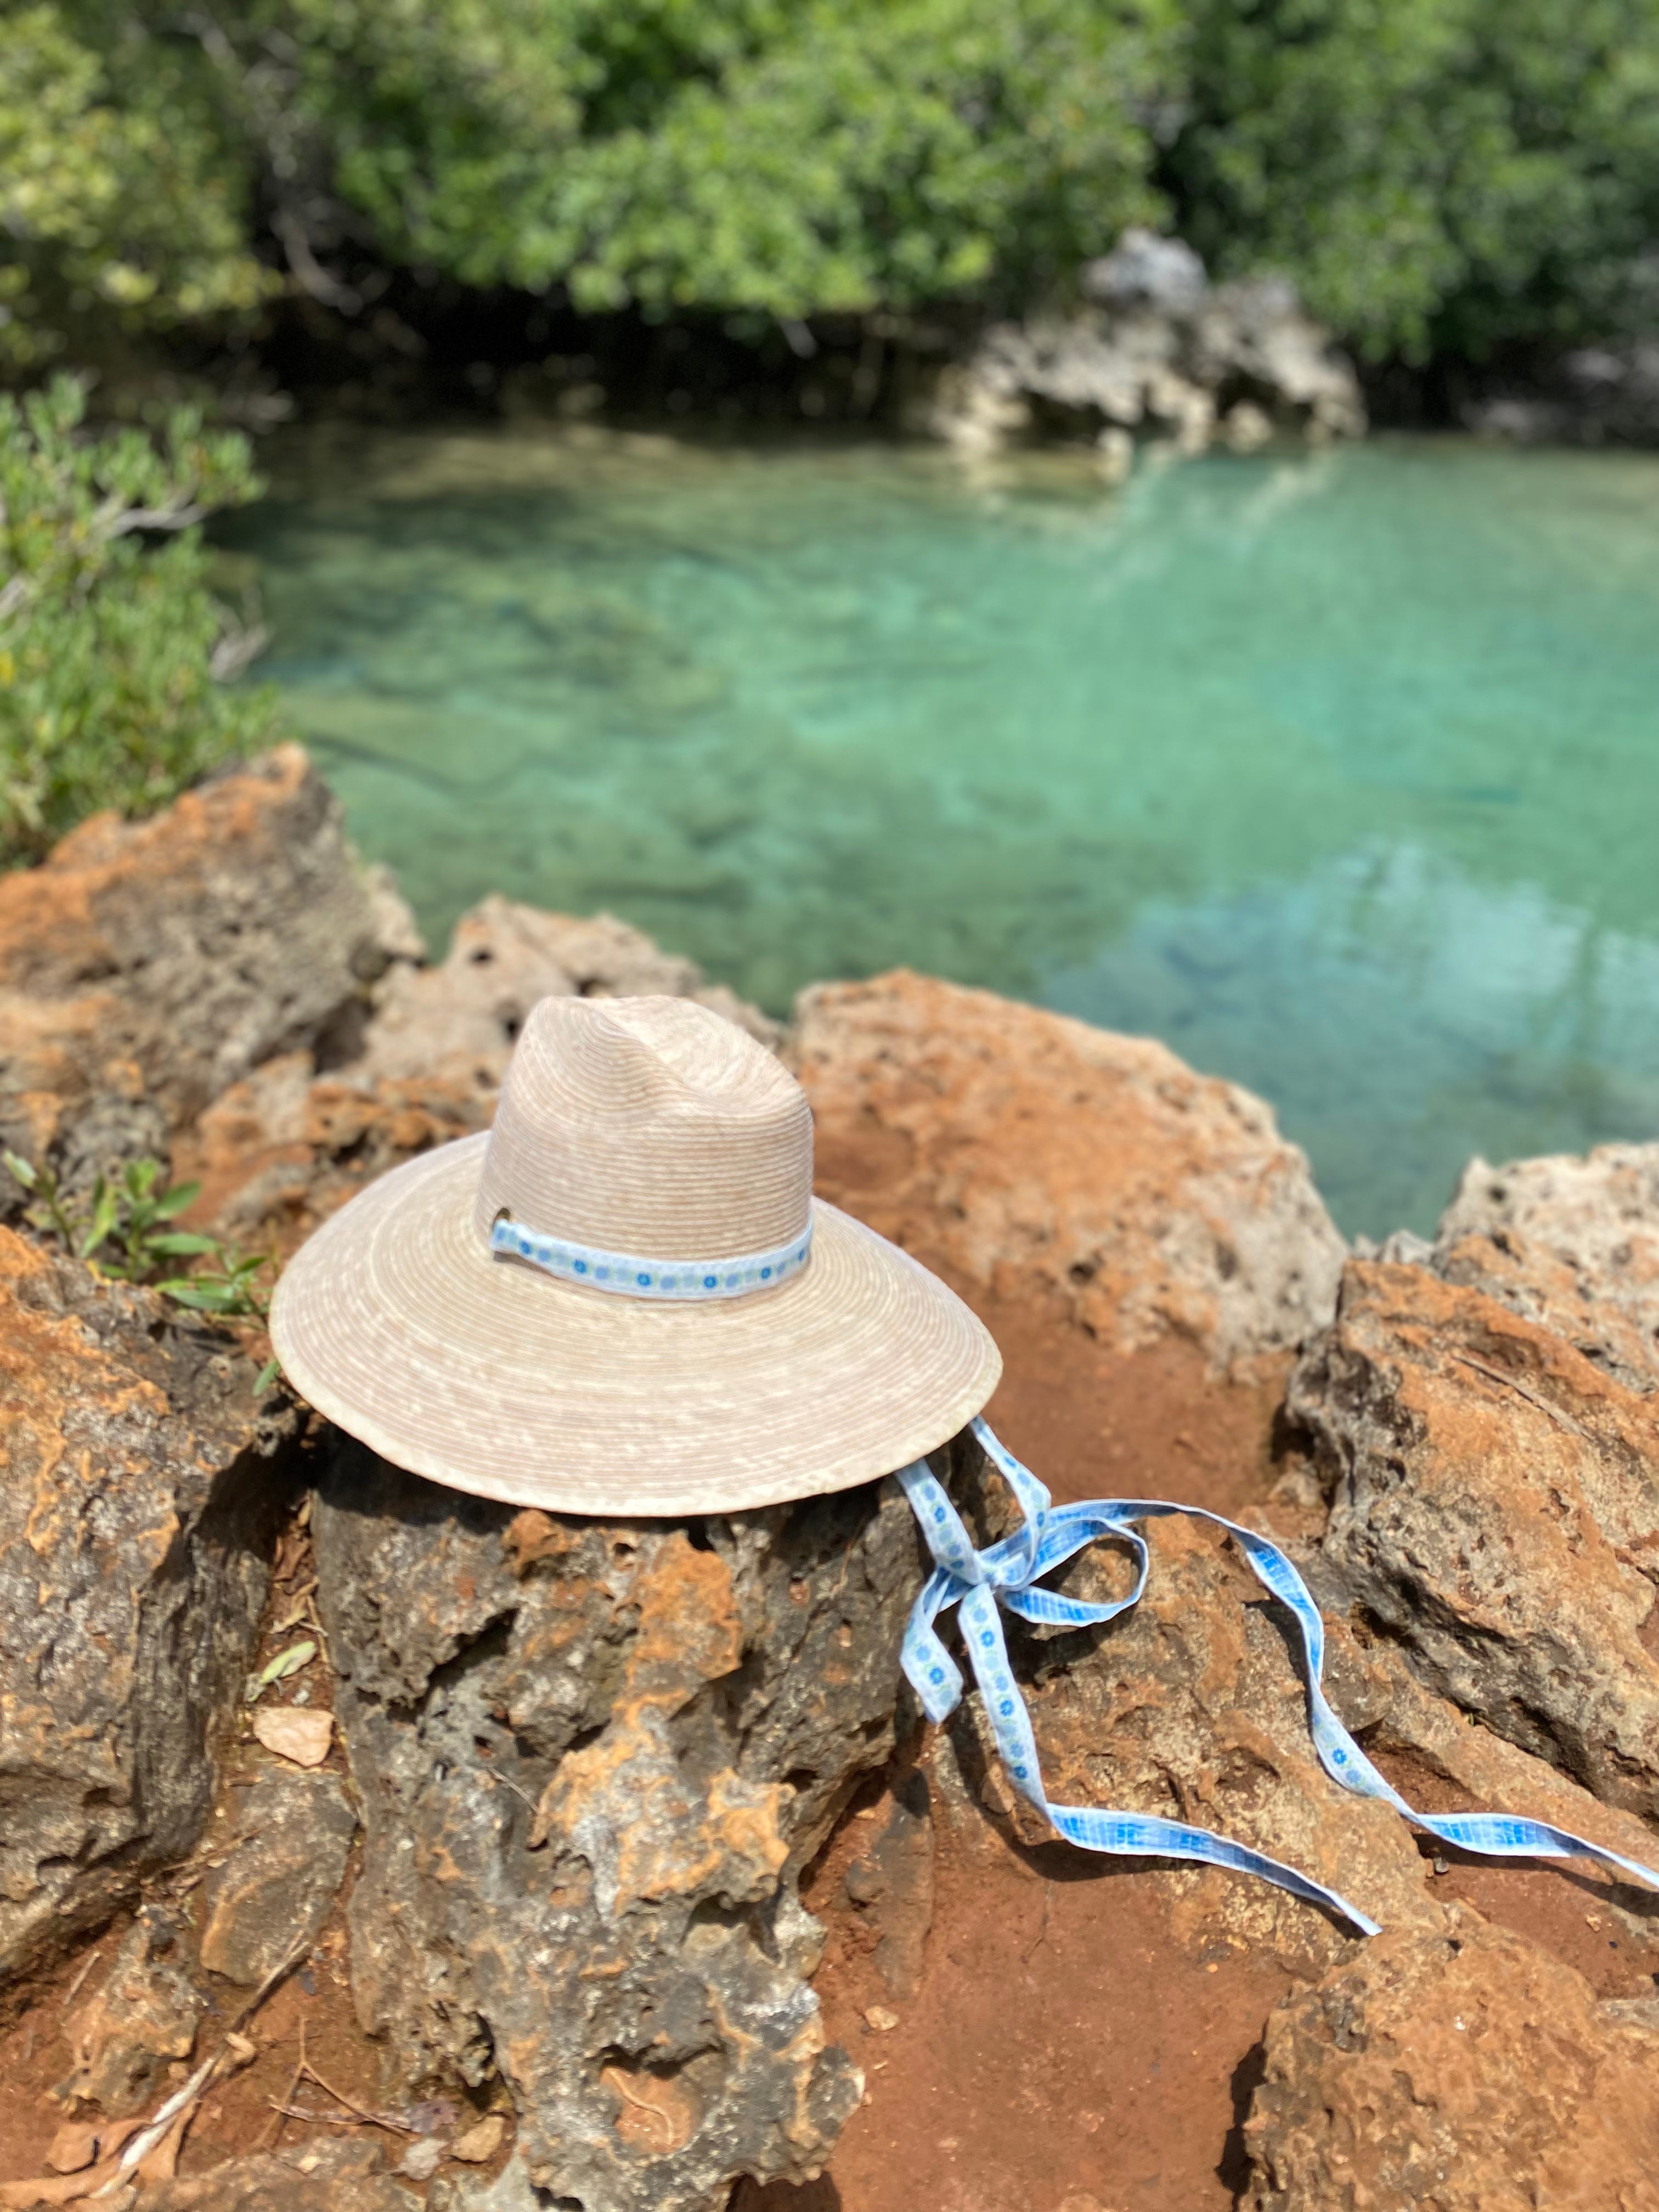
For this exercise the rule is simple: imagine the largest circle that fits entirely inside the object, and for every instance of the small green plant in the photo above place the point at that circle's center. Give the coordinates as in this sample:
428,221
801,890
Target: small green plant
125,1235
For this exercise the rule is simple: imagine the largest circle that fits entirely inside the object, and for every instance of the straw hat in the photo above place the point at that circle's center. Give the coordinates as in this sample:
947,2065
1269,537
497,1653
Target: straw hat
624,1299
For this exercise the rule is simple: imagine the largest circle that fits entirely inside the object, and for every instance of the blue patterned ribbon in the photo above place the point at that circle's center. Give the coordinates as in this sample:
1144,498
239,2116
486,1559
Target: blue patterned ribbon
629,1276
1005,1575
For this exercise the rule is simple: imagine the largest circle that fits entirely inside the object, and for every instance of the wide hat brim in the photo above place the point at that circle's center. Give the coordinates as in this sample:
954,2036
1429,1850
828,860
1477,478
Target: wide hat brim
483,1372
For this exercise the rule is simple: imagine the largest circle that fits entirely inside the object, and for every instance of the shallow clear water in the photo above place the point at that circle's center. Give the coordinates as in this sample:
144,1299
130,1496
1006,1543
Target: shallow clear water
1340,773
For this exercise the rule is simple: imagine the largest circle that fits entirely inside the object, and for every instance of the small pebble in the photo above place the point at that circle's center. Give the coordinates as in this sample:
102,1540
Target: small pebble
879,2017
421,2161
480,2143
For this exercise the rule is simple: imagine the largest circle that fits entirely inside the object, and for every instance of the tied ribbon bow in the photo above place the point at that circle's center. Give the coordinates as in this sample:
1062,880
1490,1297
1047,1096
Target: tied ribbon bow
1006,1576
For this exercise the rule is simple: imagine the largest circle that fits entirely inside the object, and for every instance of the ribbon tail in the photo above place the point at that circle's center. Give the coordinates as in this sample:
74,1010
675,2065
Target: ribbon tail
1098,1829
1491,1835
1144,1835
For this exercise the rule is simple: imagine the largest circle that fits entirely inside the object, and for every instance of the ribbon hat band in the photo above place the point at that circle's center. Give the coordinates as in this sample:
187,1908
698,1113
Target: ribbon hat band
1007,1574
629,1275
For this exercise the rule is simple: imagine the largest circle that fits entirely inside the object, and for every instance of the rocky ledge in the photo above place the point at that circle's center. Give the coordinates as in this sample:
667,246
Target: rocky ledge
368,1846
1157,352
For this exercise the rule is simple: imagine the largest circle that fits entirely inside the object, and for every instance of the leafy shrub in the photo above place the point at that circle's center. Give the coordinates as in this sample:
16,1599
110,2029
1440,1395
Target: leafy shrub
113,648
1438,175
124,207
845,155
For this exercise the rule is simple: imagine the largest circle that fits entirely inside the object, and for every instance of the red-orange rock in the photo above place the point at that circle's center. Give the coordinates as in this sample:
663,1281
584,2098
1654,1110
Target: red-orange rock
145,965
1191,1707
1458,2070
277,1152
1028,1154
138,2017
1495,1508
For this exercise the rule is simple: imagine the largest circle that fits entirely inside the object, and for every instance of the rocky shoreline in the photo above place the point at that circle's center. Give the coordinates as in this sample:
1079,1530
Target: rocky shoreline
609,1865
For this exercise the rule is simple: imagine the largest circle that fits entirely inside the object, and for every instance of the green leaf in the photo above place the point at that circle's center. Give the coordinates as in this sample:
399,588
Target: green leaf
104,1208
267,1375
202,1298
21,1170
284,1664
141,1177
176,1199
179,1243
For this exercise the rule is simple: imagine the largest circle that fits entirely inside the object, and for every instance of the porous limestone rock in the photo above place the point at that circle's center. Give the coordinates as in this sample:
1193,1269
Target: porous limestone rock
139,2018
1462,2068
137,1488
1495,1511
1021,1152
1190,1706
1573,1243
461,1017
509,2190
1156,348
332,2175
592,1758
1383,1701
278,1876
145,965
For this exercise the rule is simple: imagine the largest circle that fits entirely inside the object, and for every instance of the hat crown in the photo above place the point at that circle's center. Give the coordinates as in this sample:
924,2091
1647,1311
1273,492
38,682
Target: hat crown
648,1125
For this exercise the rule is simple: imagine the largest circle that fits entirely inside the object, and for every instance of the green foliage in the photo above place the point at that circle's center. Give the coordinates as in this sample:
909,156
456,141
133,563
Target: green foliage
1445,174
122,208
111,645
124,1234
1436,174
847,155
887,155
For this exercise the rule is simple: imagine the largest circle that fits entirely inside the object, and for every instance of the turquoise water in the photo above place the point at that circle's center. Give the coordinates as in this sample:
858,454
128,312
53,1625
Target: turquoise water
1339,772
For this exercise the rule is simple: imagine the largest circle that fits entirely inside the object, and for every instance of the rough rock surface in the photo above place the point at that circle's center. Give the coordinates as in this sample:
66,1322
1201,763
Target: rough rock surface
279,1875
890,1882
1022,1151
331,2176
277,1152
1159,349
509,2190
1494,1510
1191,1706
592,1758
1573,1244
139,1479
460,1018
145,965
1383,1702
1462,2069
140,2017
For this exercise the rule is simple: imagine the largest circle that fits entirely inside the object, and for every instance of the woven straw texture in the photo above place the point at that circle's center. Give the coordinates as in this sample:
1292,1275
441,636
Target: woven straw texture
646,1126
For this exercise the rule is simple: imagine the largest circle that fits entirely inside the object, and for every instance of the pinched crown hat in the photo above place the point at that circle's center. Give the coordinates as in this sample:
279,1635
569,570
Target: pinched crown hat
624,1299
